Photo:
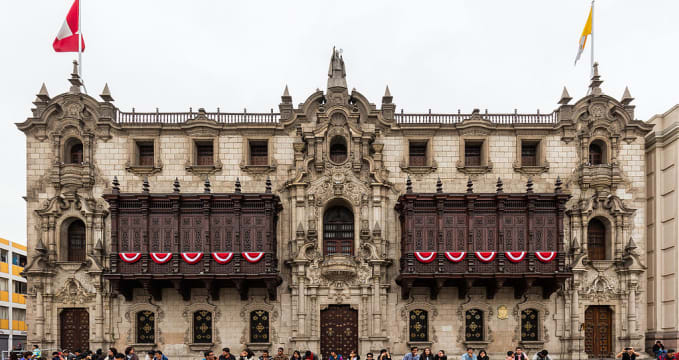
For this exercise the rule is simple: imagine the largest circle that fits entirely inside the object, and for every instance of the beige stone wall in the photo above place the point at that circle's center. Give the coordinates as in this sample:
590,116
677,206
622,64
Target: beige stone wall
662,227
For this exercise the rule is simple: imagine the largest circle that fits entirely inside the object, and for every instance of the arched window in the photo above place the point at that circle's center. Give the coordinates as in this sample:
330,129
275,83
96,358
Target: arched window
596,240
338,231
338,149
473,325
74,152
75,248
146,327
419,325
597,152
529,325
202,327
259,326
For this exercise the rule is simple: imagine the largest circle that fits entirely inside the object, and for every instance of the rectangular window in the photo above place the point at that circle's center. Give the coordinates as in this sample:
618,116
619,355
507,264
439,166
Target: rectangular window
419,325
204,153
18,260
145,151
259,326
18,314
472,153
4,285
529,153
418,153
4,313
20,287
3,255
259,152
202,327
146,327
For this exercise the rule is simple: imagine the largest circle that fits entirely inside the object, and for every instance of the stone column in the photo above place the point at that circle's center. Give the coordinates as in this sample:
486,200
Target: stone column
631,312
40,314
377,315
99,316
575,316
301,308
619,241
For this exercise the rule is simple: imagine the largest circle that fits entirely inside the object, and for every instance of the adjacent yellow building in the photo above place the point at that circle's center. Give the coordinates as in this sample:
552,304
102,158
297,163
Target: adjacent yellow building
12,296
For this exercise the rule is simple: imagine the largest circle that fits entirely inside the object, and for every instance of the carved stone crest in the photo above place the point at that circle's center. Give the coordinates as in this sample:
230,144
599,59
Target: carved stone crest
73,293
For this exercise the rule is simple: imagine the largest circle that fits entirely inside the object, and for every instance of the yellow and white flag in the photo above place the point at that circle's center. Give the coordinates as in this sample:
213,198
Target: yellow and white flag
583,38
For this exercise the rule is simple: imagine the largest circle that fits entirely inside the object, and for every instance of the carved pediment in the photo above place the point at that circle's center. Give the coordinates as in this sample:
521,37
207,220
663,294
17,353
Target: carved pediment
73,293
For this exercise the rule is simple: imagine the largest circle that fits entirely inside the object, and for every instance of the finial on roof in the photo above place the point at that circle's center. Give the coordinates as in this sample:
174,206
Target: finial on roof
565,97
529,185
106,94
626,97
267,185
631,245
42,94
439,186
470,186
575,245
337,73
387,98
145,187
499,186
557,185
409,185
176,187
75,81
300,229
237,186
286,98
40,246
596,80
116,185
286,92
206,185
99,247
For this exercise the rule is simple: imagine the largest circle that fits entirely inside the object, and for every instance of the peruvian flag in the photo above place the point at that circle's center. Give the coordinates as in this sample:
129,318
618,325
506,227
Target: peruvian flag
67,38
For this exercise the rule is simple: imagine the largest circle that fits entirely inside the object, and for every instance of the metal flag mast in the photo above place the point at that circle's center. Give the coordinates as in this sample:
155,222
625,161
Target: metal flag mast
591,60
80,52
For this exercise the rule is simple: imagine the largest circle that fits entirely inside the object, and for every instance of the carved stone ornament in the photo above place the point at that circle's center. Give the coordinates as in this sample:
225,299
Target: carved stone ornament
187,314
131,318
418,302
502,312
259,303
73,293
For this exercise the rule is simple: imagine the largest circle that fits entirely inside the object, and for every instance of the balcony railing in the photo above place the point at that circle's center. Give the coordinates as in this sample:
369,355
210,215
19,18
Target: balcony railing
452,118
134,117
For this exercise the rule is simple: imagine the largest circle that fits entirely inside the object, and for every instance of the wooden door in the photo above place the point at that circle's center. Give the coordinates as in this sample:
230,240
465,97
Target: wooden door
598,331
339,330
75,329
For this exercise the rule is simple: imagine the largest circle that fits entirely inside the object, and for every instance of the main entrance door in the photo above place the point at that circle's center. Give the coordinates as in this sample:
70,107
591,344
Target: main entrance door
75,329
339,330
598,331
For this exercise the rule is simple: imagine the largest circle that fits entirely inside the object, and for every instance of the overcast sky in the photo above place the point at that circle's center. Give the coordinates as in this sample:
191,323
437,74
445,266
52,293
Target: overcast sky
442,55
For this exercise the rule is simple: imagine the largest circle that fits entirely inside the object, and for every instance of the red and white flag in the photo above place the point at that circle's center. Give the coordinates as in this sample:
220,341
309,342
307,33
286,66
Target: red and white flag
67,38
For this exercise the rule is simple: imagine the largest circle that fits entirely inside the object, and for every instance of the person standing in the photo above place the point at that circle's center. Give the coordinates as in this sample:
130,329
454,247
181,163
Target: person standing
482,355
296,355
129,353
334,355
280,354
669,355
209,355
628,353
265,355
384,355
412,355
658,348
519,354
441,355
469,355
247,354
309,355
354,356
542,355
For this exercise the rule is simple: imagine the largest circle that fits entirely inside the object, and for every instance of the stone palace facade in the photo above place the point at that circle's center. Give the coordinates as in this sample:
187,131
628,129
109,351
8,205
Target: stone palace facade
336,224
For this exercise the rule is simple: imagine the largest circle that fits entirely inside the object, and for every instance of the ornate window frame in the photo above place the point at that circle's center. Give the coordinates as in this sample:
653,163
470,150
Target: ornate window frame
487,331
131,318
245,163
191,164
419,302
430,163
486,163
62,242
259,303
69,141
543,335
133,165
606,149
542,165
188,317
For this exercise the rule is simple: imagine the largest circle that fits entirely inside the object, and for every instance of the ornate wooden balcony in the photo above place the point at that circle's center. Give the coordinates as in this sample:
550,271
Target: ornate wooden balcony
145,224
491,223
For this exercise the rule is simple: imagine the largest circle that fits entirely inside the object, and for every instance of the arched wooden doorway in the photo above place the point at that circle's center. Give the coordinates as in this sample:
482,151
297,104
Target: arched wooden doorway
599,331
75,329
339,330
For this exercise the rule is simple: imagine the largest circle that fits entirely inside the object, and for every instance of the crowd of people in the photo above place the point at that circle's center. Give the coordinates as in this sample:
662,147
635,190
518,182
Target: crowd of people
112,353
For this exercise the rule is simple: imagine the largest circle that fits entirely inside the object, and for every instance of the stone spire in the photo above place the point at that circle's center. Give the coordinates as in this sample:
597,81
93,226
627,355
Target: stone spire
207,186
470,186
626,97
106,94
499,186
237,189
337,73
75,81
176,187
116,185
596,81
409,185
529,185
439,186
557,185
42,94
565,97
145,187
387,98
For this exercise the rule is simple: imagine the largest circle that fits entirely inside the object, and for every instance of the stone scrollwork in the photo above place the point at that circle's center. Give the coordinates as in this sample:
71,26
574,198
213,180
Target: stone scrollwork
73,293
419,302
259,303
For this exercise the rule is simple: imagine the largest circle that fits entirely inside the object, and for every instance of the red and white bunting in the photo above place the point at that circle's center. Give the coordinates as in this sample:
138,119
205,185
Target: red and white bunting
130,258
253,257
425,256
486,256
222,257
192,257
455,256
545,256
160,258
515,256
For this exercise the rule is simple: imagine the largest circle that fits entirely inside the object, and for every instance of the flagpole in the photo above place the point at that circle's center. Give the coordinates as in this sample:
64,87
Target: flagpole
80,52
591,60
